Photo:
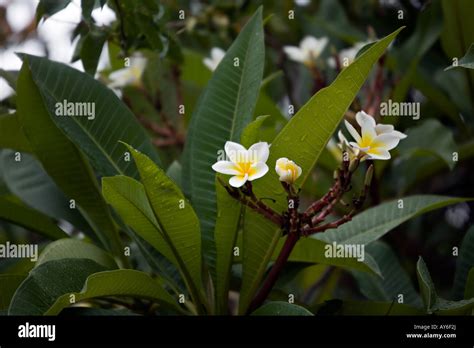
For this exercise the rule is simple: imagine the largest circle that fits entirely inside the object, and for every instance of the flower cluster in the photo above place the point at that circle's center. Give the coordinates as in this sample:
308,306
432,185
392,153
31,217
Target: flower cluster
248,165
374,142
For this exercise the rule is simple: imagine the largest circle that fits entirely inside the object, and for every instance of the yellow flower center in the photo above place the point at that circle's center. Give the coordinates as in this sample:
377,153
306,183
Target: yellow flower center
245,168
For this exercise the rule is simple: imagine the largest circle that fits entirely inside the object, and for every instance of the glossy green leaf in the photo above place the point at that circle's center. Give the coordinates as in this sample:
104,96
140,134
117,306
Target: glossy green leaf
30,219
65,164
27,180
302,140
250,134
224,109
99,137
227,224
123,282
75,249
176,219
129,199
91,49
311,250
46,283
394,282
435,304
11,135
282,308
464,263
373,223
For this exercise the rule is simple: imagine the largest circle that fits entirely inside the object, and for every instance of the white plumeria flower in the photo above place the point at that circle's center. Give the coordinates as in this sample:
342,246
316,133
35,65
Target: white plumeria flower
347,56
288,170
302,3
130,75
217,54
245,165
309,50
376,140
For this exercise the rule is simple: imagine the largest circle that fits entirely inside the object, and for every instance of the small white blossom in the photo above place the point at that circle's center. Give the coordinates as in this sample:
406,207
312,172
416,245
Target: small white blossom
375,140
287,170
244,164
130,75
217,54
309,50
347,56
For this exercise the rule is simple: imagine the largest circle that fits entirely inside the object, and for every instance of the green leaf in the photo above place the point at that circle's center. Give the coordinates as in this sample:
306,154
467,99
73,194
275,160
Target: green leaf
250,135
75,249
394,281
47,8
46,283
311,250
91,48
227,223
30,219
28,181
10,76
302,140
176,219
282,308
11,135
98,138
373,223
427,289
419,142
129,199
435,304
224,109
464,263
427,31
123,282
8,285
65,164
467,61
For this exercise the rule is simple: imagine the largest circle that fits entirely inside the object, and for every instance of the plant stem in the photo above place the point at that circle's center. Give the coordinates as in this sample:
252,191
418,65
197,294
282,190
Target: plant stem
274,272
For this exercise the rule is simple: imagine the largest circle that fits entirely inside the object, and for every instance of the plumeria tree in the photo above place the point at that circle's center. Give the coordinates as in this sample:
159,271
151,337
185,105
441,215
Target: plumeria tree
241,160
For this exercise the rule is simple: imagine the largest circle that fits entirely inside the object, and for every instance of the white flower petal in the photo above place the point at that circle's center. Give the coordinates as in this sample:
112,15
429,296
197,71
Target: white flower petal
364,119
352,131
386,141
260,170
259,152
210,64
398,134
294,53
380,154
217,54
367,126
238,180
280,166
235,152
313,46
226,167
383,128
